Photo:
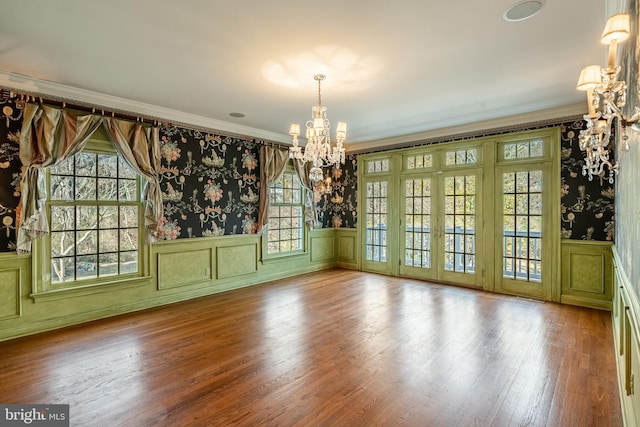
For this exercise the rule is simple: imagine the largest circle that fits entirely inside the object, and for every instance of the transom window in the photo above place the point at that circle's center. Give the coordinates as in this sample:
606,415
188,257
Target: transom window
377,166
523,149
419,161
94,210
461,157
285,230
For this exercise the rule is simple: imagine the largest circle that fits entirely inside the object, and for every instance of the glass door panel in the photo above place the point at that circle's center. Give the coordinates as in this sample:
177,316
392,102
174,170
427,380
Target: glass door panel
376,231
459,220
460,215
439,227
520,227
417,230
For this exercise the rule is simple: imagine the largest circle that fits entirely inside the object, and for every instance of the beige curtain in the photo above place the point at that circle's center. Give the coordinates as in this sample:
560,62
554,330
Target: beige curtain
310,213
140,147
272,162
48,136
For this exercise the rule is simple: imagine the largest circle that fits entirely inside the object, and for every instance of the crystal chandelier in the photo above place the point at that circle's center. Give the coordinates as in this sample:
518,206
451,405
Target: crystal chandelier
606,95
318,150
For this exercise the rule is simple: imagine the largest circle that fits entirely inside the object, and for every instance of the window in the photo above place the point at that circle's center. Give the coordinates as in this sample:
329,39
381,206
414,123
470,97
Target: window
94,216
419,161
523,150
285,229
376,220
377,166
461,157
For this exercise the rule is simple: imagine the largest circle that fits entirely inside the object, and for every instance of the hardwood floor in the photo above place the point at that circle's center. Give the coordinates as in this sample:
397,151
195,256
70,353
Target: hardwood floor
333,348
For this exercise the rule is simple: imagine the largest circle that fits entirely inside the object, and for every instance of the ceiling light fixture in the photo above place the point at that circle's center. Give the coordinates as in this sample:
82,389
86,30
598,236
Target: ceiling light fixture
606,95
318,150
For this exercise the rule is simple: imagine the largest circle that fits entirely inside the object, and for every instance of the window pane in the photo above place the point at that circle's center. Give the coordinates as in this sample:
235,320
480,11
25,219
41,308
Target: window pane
127,190
63,168
61,188
85,188
86,164
87,242
129,239
62,243
128,262
86,267
107,166
535,148
108,241
107,189
128,216
108,265
62,270
108,216
62,218
124,170
87,217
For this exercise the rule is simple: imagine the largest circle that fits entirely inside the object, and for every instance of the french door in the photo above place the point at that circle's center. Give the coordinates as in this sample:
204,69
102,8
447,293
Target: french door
523,236
441,224
481,213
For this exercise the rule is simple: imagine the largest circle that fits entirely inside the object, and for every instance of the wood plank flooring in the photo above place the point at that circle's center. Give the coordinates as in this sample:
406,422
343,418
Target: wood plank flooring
334,348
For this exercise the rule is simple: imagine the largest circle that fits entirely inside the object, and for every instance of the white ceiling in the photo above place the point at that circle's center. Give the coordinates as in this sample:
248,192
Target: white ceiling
394,69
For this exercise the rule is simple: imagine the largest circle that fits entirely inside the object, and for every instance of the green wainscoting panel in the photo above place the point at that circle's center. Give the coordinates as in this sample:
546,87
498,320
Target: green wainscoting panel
626,337
587,274
10,301
347,248
322,247
184,268
177,270
237,260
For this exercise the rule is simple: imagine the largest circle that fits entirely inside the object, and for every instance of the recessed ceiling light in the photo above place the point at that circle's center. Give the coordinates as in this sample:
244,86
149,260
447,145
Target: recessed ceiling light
238,115
523,10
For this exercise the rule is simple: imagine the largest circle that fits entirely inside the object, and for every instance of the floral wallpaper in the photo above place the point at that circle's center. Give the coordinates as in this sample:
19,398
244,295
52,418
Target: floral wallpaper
10,125
337,198
587,206
209,184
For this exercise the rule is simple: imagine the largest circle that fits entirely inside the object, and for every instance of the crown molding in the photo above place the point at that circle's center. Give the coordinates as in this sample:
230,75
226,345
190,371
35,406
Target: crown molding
483,127
32,86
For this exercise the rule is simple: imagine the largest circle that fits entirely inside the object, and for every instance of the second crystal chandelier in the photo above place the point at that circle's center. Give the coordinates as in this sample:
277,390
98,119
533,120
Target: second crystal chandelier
318,151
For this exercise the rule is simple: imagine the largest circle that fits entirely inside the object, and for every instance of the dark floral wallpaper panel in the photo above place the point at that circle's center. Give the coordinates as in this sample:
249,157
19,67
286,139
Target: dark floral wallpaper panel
337,202
209,184
10,125
587,207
